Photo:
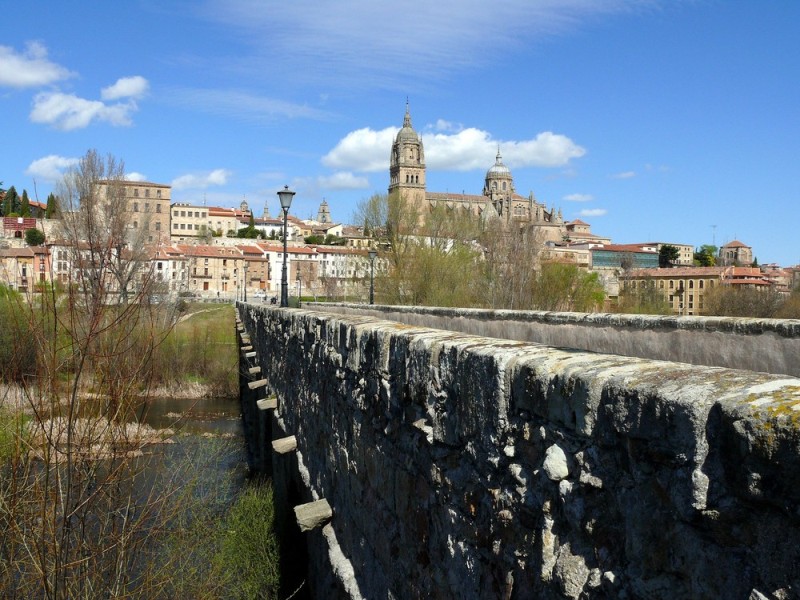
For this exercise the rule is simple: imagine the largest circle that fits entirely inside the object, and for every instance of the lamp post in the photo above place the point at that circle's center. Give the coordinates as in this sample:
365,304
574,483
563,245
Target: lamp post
299,286
285,196
372,255
245,280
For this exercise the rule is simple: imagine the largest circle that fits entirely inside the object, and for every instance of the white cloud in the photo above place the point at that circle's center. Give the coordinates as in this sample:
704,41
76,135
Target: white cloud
241,104
314,40
30,68
578,197
67,111
50,168
442,125
624,175
593,212
126,87
343,180
367,150
134,176
201,180
364,150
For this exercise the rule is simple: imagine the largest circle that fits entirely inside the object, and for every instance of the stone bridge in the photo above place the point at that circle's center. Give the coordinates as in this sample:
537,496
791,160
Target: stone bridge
435,453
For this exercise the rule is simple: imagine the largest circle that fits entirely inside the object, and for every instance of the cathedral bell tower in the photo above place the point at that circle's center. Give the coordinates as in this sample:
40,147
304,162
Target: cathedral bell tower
407,164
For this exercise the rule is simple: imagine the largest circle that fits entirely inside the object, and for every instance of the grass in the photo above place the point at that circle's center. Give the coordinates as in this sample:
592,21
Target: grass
201,348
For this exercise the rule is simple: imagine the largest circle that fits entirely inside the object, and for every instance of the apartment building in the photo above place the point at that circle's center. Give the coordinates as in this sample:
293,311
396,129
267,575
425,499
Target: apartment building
685,288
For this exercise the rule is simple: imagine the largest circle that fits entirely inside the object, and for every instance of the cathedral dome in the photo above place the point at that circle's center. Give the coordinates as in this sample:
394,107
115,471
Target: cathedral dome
498,168
407,133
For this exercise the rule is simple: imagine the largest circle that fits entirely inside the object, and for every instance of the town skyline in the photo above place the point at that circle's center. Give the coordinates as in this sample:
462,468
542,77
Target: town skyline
652,121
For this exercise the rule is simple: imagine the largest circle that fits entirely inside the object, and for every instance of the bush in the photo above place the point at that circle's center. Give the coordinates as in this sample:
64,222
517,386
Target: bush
34,237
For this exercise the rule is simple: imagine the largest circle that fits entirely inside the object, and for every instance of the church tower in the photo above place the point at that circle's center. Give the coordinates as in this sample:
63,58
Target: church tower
499,187
407,164
324,213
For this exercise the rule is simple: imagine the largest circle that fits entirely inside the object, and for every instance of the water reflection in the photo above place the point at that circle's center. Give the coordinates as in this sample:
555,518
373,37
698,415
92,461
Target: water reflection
218,416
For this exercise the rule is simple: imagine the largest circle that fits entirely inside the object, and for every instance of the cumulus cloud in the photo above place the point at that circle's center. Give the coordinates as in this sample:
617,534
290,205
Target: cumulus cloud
201,180
134,176
126,87
50,168
364,150
624,175
30,68
578,197
593,212
343,180
67,111
367,150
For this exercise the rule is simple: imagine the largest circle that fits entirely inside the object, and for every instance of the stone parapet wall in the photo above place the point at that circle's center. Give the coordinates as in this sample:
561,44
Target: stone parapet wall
460,466
765,345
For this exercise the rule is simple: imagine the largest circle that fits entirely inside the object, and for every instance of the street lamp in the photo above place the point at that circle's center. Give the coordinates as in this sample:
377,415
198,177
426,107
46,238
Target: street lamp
372,255
299,286
285,196
245,281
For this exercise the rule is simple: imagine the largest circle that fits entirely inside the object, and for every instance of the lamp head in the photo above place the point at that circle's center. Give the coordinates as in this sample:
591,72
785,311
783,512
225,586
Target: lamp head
285,196
372,254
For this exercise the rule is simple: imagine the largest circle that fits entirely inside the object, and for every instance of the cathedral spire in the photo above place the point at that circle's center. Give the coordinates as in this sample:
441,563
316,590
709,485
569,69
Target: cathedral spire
407,118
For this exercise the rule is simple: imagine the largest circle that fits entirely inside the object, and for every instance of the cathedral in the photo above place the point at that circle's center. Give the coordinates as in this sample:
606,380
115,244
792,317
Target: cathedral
499,200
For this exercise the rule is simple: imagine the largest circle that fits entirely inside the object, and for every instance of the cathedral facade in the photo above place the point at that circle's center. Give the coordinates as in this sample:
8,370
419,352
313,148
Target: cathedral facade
499,201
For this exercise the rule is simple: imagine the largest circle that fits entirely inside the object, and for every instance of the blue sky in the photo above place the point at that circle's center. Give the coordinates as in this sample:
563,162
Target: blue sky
653,120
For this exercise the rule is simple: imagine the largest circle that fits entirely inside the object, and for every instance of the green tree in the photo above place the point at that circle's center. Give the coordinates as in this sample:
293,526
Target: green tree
705,256
34,237
51,211
25,205
563,286
668,255
10,202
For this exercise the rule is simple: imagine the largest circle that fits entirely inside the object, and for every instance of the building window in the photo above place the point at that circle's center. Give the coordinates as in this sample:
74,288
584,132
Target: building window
135,207
174,225
691,284
146,207
158,208
158,193
135,193
147,193
135,224
701,287
158,225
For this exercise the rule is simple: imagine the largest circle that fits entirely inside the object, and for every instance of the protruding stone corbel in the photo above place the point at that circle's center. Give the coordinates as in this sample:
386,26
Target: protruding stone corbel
250,354
267,403
254,370
285,445
254,385
246,348
313,514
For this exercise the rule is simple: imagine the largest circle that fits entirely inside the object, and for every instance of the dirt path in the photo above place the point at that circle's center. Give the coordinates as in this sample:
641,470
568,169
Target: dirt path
190,315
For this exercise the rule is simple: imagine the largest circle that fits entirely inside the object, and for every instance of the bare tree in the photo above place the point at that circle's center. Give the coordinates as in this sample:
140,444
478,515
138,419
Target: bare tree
76,509
107,244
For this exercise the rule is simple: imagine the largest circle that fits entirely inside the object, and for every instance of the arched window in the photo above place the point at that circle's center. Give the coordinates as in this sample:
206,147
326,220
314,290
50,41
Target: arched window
494,185
504,186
